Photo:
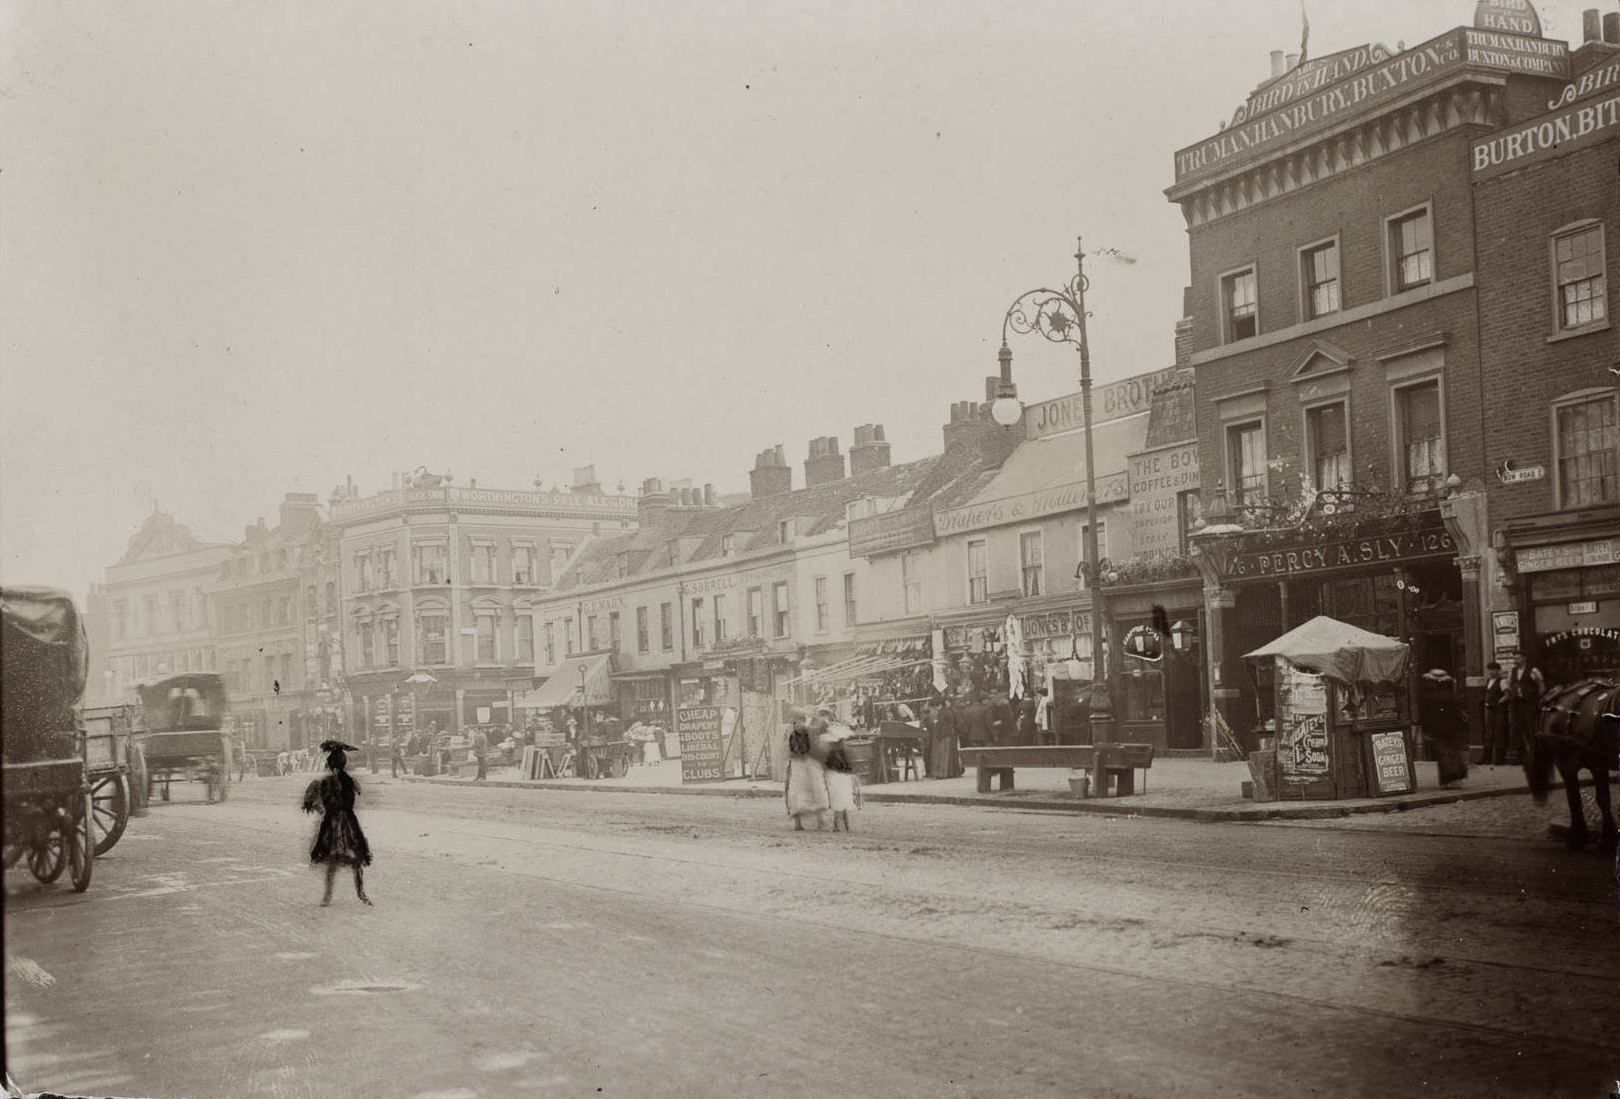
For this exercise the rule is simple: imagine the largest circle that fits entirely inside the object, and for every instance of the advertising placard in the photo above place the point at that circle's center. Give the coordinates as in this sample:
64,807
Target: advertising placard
1391,771
702,746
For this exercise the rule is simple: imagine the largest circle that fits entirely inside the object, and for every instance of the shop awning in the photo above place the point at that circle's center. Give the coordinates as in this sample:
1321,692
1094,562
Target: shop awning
1343,653
562,689
847,671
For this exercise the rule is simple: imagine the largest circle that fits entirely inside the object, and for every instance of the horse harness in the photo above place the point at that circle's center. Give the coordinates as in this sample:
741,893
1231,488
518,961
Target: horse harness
1564,703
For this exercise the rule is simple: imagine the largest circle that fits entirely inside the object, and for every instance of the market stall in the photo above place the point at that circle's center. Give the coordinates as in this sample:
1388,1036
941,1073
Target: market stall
1342,727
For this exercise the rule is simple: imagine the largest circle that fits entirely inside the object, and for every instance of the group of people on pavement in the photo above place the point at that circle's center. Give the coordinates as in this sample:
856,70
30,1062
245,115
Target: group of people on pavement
820,778
1512,704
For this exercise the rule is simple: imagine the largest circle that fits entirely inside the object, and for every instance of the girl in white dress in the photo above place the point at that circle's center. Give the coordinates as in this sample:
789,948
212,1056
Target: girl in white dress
843,788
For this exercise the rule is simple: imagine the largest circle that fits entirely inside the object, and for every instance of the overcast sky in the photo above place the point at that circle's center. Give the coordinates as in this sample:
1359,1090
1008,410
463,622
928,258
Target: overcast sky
253,248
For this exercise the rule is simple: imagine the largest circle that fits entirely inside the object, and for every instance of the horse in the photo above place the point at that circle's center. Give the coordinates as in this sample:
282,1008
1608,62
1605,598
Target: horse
1579,729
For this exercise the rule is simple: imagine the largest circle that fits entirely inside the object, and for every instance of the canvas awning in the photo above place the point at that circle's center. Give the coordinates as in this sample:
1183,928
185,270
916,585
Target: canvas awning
1344,654
562,688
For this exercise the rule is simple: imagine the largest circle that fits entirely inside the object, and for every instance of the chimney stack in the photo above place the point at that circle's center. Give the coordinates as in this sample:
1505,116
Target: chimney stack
298,511
651,504
585,482
824,463
1611,28
1292,62
1277,63
771,475
869,451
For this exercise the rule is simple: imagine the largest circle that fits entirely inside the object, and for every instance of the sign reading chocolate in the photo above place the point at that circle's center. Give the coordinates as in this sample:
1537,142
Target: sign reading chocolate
1383,549
1399,75
1114,401
903,529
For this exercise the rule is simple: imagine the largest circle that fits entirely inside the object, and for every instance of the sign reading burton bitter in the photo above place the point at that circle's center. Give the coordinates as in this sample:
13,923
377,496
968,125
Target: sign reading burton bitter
1587,113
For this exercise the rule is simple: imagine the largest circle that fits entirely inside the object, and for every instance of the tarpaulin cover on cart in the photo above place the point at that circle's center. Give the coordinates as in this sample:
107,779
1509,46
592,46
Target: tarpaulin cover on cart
44,660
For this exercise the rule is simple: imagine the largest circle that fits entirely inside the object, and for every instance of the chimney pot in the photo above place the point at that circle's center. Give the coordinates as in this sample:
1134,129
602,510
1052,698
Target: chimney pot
1293,62
1611,28
1276,63
1591,25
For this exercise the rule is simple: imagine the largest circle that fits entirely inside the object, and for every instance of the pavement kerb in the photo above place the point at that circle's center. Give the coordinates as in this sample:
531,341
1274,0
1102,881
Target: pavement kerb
1036,800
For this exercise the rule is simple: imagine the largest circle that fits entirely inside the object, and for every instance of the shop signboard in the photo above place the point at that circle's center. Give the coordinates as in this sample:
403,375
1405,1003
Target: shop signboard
1157,480
1505,634
1391,771
702,745
1114,401
906,528
1571,555
1384,549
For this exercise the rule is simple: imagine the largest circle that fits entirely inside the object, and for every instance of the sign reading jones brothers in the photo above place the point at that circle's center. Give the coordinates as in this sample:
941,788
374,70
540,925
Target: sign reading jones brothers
1390,549
1320,109
1108,402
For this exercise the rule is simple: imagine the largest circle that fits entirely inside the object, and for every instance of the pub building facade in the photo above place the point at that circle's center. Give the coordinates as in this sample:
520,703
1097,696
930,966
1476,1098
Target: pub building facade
1547,198
1336,340
436,583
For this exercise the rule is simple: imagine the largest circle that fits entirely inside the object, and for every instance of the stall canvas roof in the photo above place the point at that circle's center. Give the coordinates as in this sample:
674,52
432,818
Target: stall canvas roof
1342,653
562,689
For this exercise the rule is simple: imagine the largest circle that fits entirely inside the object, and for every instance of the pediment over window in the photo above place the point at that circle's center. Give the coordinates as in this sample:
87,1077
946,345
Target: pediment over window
1320,359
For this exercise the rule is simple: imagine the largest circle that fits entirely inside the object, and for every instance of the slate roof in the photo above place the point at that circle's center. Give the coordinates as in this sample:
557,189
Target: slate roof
942,480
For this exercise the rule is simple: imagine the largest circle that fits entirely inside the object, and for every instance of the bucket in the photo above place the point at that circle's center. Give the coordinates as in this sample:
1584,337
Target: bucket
1080,785
862,759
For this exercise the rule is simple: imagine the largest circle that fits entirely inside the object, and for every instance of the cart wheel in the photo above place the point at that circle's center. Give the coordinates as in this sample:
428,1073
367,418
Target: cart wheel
216,784
165,793
109,810
47,859
81,846
621,767
593,766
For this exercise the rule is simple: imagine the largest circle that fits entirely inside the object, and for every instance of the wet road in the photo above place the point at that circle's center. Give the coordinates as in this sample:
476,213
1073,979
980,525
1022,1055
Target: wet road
571,943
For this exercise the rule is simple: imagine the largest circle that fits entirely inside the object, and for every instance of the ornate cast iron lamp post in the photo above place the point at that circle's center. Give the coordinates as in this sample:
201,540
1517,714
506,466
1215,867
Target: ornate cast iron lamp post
1060,316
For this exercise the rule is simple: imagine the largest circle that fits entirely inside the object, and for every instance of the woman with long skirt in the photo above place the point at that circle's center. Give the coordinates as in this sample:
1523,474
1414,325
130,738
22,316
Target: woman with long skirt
806,790
339,840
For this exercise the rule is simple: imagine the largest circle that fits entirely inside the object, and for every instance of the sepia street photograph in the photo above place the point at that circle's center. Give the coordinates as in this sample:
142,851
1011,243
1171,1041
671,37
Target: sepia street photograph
810,550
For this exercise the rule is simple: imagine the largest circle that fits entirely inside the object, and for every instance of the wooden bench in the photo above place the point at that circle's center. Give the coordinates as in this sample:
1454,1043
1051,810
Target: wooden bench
1118,762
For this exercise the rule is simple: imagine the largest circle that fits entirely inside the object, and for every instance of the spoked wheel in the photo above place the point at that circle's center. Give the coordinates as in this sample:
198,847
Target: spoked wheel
81,845
48,858
621,767
109,810
593,766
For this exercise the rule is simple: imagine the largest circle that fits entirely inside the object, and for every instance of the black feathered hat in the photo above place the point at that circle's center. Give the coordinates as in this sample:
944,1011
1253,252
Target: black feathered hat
337,746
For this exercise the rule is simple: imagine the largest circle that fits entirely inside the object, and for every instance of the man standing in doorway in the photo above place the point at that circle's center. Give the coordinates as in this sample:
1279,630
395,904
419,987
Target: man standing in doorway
1496,715
1525,686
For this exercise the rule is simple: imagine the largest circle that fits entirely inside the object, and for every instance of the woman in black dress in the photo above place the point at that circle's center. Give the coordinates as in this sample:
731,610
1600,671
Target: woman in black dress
339,841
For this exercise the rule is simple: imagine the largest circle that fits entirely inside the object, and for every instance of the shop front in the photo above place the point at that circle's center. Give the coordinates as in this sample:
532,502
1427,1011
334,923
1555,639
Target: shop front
1393,576
1562,580
1158,686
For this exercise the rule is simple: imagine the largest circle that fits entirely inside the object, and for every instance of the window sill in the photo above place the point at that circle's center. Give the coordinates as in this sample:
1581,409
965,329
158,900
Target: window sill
1577,333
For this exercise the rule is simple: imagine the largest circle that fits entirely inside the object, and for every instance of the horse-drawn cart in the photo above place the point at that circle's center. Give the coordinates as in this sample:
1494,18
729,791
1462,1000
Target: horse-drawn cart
44,659
116,770
183,738
606,758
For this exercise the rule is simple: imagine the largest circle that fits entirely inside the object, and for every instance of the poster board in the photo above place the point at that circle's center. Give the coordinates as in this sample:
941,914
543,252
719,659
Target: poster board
1303,740
702,745
1389,763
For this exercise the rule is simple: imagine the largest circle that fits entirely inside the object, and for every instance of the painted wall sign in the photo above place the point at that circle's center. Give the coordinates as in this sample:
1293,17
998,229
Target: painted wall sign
1600,79
1551,135
1405,72
1114,401
702,746
1516,16
906,528
1308,77
1384,549
1028,505
1603,551
1157,480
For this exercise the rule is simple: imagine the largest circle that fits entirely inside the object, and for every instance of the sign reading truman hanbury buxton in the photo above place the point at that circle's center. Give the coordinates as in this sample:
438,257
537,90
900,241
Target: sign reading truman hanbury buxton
1319,110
